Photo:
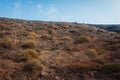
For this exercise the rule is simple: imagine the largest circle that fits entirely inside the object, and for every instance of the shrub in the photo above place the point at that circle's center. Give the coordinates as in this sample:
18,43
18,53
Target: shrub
29,44
75,32
46,36
4,33
4,27
81,39
99,61
111,67
7,43
33,35
115,55
91,53
52,31
100,52
114,47
77,67
32,66
29,54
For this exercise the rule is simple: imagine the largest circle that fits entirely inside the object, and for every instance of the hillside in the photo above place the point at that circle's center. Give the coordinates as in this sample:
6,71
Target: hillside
114,28
39,50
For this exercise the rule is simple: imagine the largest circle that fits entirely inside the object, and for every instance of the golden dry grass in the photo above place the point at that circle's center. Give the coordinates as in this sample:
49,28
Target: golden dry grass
45,36
7,43
32,35
76,48
29,54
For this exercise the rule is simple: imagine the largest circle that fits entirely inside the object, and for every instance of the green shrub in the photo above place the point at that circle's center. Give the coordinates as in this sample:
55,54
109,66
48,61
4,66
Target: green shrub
111,67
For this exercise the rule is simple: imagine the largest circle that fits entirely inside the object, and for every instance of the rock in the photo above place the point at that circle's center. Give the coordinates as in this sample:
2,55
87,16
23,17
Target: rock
57,78
43,74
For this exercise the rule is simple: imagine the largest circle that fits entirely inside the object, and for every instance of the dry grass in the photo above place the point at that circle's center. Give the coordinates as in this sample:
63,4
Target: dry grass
92,53
52,31
7,43
4,27
29,54
99,61
45,36
76,67
33,66
29,44
4,33
76,49
82,39
32,35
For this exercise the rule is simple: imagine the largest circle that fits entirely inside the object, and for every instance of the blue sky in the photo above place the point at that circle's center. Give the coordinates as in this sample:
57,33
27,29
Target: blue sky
83,11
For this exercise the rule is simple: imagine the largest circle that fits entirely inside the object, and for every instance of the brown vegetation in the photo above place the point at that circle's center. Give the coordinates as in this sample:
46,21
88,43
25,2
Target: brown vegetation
32,66
30,50
29,54
29,44
33,35
7,43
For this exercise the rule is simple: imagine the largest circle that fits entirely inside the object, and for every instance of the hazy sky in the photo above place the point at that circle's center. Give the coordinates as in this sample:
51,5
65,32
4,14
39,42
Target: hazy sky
83,11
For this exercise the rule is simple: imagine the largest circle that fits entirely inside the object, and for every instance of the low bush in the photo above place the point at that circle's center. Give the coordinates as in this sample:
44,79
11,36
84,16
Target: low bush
100,52
4,34
78,67
4,27
29,44
91,53
46,36
81,39
52,31
32,35
99,61
111,67
7,43
29,54
33,66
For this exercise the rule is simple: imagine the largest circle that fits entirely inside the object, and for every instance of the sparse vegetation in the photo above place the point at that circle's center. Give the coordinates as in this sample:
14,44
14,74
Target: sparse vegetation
99,61
91,53
7,43
29,54
100,52
33,35
33,66
4,27
45,36
111,68
29,44
67,50
76,67
81,39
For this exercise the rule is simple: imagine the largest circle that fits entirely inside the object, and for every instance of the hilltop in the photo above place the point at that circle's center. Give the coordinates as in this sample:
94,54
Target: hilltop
40,50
